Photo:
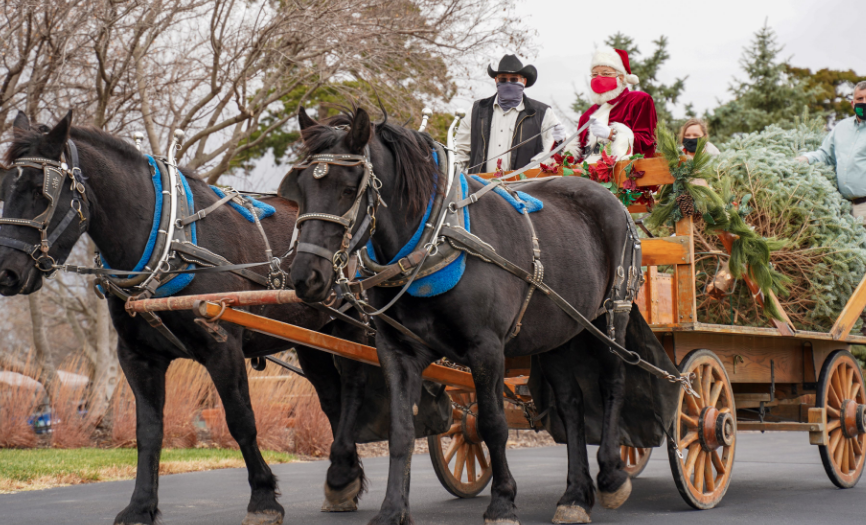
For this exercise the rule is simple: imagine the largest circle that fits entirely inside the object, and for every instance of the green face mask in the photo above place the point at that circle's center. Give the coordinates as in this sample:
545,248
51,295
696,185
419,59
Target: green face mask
860,110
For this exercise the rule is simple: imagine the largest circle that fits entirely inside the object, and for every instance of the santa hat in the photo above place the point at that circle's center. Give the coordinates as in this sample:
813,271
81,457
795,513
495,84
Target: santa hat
615,58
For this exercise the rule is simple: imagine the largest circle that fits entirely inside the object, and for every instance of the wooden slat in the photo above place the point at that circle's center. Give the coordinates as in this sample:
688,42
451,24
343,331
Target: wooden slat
655,170
662,251
779,427
818,415
685,305
853,308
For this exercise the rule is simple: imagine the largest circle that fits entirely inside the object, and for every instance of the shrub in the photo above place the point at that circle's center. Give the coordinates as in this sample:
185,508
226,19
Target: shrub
187,384
18,402
71,428
123,416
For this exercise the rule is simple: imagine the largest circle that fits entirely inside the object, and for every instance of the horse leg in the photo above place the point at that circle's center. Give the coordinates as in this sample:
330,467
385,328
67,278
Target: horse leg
576,504
227,369
341,396
488,365
614,485
146,378
403,374
346,481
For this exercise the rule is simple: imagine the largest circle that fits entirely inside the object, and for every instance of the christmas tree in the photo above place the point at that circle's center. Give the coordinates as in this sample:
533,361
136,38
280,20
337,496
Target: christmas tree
825,252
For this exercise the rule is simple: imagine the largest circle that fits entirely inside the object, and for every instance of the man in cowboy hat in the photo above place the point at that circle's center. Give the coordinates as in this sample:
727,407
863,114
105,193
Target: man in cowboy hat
509,120
622,118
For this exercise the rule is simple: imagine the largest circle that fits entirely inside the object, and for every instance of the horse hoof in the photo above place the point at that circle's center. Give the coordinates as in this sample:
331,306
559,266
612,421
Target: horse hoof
571,514
614,500
266,517
501,522
343,500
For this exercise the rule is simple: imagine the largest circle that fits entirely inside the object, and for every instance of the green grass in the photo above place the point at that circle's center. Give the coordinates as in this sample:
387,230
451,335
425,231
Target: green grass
41,468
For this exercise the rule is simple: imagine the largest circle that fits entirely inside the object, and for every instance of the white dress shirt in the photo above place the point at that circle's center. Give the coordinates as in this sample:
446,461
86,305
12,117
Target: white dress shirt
502,136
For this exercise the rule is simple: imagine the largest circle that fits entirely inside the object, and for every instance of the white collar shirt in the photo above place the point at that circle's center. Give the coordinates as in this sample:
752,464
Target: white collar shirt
501,134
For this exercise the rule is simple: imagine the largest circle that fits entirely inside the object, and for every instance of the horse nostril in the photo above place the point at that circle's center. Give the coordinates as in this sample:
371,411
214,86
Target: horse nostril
8,278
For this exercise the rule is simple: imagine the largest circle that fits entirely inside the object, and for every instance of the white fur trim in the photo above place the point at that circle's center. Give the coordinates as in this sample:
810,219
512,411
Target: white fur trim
606,56
623,142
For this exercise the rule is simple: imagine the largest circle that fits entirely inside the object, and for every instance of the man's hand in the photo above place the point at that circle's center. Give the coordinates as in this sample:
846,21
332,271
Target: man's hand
599,130
802,158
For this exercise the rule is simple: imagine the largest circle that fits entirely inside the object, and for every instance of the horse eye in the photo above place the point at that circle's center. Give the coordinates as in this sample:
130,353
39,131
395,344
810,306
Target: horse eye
350,192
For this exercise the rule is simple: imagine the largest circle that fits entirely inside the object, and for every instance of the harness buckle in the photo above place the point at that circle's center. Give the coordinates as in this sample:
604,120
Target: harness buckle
400,264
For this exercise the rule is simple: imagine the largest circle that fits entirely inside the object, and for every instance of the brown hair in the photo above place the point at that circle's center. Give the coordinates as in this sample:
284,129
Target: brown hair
693,122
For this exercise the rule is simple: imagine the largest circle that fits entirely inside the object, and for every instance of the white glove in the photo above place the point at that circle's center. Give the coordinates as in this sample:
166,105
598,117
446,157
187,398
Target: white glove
558,133
598,129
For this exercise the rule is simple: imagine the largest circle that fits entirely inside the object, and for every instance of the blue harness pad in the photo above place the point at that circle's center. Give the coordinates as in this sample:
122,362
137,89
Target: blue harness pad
262,210
181,281
530,204
446,278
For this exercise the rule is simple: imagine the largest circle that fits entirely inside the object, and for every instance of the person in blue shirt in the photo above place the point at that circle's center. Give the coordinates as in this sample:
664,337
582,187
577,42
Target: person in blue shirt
845,148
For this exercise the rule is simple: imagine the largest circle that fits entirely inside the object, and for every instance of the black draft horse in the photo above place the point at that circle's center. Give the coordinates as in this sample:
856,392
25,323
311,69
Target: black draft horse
582,230
119,212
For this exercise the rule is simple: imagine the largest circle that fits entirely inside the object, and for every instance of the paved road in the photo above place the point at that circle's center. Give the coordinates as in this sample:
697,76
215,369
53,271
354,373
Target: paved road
778,478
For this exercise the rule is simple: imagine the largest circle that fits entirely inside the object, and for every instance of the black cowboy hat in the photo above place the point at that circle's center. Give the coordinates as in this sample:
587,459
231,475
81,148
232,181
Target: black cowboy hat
512,64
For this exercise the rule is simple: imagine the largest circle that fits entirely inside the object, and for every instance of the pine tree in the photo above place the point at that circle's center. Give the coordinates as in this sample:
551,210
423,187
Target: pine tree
647,70
767,96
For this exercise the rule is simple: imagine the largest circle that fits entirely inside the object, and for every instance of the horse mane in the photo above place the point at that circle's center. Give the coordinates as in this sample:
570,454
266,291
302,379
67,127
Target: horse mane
412,151
23,140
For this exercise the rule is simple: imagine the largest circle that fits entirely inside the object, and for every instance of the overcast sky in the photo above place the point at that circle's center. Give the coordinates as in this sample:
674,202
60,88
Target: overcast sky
705,40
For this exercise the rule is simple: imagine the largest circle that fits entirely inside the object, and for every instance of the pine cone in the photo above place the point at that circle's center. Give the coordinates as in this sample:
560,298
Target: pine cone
686,204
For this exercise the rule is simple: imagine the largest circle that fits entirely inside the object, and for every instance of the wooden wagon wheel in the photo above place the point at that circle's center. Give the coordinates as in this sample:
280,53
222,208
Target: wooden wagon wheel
706,432
635,459
842,393
460,457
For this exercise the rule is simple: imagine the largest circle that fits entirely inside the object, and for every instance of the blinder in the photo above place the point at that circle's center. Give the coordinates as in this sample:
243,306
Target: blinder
55,172
368,188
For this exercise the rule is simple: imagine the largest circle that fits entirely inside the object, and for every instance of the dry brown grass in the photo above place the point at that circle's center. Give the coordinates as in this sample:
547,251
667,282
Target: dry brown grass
187,385
123,416
17,404
71,428
280,400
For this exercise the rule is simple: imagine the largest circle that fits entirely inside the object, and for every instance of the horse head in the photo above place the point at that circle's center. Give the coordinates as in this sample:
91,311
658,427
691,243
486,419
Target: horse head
45,210
352,167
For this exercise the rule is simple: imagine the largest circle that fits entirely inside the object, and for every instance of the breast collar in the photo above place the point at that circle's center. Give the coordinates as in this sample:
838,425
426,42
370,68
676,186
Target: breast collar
52,186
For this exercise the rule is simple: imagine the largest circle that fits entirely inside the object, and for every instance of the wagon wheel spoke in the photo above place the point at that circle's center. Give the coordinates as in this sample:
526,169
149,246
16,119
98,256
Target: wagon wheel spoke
700,470
470,463
456,442
833,425
455,428
460,463
855,389
687,441
691,459
709,477
840,451
715,393
835,438
691,422
832,412
479,453
706,378
717,462
858,448
836,388
846,447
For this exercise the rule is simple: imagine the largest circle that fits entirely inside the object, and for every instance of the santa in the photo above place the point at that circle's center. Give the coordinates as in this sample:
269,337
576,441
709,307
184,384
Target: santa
623,119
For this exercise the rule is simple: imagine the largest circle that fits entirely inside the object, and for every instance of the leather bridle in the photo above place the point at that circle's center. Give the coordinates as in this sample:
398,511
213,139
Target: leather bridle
55,172
368,188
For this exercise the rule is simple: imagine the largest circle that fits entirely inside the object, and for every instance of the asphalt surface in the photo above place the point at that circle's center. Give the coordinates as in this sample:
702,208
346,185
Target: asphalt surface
777,478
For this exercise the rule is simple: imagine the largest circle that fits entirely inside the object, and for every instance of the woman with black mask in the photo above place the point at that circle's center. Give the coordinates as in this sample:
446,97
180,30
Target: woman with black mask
691,131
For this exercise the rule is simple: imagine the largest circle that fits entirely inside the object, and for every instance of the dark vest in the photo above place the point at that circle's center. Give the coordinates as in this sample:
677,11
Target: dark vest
528,124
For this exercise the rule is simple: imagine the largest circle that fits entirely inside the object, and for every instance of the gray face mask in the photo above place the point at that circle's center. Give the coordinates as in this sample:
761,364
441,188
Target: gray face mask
510,94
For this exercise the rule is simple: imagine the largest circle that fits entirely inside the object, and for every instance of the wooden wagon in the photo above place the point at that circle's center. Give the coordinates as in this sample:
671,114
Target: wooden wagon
749,378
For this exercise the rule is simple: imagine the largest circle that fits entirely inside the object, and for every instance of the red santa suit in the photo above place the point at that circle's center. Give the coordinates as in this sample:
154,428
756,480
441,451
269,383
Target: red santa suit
630,114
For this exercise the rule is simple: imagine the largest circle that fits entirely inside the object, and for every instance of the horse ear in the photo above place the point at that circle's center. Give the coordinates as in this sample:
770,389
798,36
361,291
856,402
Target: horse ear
361,131
304,120
21,122
60,133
